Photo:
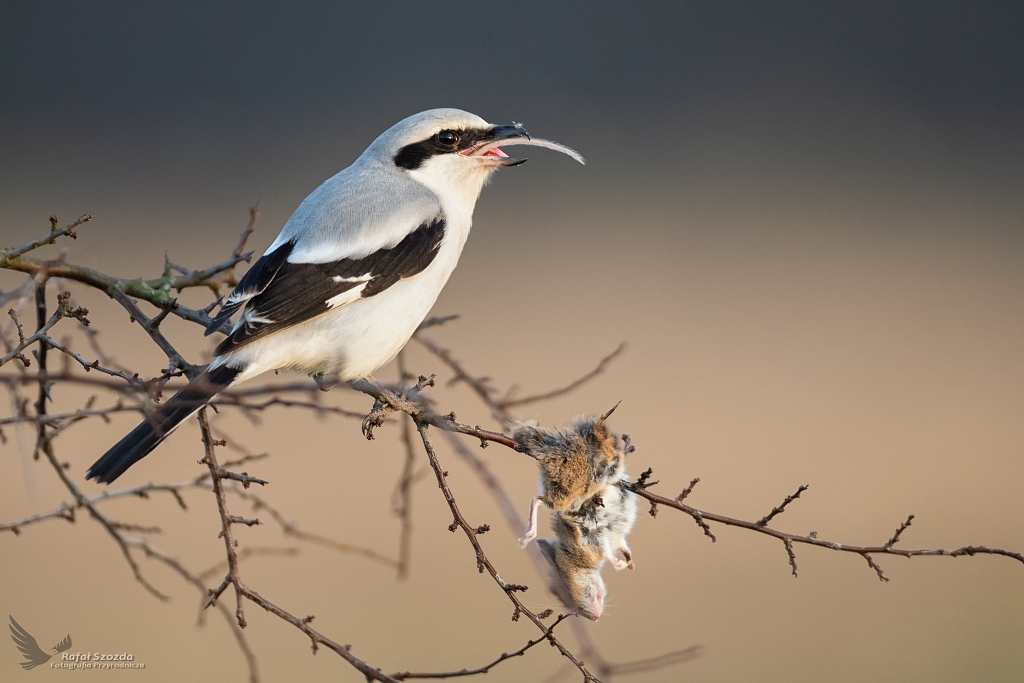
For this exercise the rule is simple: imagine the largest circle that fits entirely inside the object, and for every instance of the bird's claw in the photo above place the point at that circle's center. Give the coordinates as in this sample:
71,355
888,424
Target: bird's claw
374,419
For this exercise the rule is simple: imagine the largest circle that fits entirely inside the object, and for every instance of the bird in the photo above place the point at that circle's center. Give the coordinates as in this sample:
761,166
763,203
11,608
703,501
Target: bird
30,649
355,269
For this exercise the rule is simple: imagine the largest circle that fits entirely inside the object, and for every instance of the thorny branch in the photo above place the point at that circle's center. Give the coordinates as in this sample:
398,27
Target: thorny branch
7,255
788,539
64,310
547,634
483,563
136,394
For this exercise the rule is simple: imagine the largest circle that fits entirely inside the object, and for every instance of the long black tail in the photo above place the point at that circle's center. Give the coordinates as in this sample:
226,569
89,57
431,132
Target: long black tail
148,435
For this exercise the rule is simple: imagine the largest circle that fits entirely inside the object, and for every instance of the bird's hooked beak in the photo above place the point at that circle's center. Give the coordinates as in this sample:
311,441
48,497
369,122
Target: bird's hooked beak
489,153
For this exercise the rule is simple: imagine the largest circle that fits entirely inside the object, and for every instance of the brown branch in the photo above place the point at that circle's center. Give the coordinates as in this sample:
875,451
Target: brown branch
655,663
55,233
515,524
151,291
789,539
486,667
204,278
228,399
196,581
155,291
67,511
291,529
242,591
779,510
244,554
480,385
688,490
132,379
388,402
483,563
896,536
76,415
318,638
437,321
152,328
15,351
64,511
209,276
602,365
401,497
250,227
81,501
64,310
226,520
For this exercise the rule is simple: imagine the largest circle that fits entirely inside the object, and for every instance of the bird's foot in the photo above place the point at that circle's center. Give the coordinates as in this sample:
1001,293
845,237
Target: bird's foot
387,401
375,418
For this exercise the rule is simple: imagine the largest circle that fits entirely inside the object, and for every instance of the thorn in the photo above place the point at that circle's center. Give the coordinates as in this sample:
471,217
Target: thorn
609,413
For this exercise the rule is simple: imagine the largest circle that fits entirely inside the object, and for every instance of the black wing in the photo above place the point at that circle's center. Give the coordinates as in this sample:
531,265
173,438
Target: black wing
27,644
300,291
254,282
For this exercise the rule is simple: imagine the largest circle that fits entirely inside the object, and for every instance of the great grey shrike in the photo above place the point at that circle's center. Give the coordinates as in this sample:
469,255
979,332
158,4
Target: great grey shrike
355,269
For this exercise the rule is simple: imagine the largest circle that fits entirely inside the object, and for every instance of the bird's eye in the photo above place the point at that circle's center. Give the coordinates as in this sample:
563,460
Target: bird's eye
448,138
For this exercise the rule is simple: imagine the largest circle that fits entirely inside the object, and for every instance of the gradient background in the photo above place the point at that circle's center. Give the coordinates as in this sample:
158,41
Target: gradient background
807,219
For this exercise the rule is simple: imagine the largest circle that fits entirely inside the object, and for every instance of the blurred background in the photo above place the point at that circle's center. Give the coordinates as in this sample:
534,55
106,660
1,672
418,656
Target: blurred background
806,219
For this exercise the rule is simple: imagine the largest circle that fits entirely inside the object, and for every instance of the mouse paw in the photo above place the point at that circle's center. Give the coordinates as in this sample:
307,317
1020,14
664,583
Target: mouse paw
618,565
525,540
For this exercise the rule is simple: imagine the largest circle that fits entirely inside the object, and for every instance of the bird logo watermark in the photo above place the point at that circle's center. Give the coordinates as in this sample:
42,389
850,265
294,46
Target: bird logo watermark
36,656
30,649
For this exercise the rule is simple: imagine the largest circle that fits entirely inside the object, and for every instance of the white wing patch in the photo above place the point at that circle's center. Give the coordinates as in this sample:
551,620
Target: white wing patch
348,296
251,317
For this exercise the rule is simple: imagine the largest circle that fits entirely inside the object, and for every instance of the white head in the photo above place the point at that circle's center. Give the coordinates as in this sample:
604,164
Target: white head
452,152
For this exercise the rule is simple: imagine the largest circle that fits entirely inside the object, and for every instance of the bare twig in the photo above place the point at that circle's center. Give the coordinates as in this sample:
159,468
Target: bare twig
602,365
152,328
484,564
55,233
779,510
226,520
389,402
138,395
896,536
486,667
654,663
789,539
95,365
64,310
688,490
401,503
